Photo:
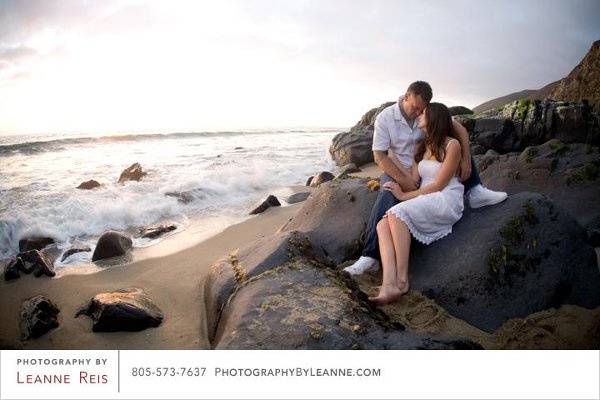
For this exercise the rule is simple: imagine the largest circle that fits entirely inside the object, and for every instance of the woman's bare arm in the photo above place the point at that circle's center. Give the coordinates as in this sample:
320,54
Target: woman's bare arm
446,172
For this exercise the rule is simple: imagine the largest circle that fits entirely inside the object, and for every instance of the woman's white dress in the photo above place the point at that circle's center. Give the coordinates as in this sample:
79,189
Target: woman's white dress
430,217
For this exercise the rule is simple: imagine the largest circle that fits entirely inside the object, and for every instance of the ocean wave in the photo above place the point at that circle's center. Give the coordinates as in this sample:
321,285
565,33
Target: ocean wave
38,146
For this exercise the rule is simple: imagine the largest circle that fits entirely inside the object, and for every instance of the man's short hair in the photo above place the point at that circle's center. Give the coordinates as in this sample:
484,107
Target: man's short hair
422,89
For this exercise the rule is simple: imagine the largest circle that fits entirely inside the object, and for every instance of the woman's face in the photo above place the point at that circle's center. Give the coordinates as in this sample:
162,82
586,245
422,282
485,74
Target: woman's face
422,123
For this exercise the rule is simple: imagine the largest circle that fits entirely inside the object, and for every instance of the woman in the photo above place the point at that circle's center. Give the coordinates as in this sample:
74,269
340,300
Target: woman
427,213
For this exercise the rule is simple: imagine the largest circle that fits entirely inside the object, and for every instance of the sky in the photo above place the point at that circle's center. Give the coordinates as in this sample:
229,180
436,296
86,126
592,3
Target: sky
122,66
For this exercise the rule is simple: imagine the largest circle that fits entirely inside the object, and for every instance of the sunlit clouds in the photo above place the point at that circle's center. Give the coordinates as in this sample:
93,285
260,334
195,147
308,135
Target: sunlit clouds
133,66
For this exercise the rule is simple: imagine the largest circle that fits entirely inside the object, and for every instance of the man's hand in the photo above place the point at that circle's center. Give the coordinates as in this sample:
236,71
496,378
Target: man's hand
464,168
401,176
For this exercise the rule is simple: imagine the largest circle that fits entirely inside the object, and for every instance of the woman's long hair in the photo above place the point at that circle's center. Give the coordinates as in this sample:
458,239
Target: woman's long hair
439,125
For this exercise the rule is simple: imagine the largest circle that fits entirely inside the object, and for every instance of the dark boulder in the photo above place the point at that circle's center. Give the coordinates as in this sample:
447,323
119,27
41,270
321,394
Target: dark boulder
355,145
34,243
304,305
132,173
122,310
156,231
335,217
297,197
227,274
111,244
88,185
38,316
73,250
35,261
12,269
508,261
320,178
525,122
270,201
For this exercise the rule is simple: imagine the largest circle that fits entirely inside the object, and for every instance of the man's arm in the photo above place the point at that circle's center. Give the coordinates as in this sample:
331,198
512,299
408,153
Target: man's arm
387,165
460,133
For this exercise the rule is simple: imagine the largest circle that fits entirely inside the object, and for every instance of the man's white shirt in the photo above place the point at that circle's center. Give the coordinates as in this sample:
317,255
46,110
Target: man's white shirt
393,132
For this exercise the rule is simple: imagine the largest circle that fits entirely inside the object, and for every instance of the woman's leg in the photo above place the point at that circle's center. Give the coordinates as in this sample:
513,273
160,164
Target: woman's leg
401,241
389,291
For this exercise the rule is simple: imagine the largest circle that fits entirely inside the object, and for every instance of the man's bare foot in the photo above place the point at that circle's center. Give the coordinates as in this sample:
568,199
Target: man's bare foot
387,294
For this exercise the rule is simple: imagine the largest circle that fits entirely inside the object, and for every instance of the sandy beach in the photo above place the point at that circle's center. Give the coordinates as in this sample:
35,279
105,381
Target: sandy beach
171,277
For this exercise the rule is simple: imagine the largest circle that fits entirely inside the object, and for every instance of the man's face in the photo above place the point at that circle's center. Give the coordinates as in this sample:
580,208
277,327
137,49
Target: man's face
413,105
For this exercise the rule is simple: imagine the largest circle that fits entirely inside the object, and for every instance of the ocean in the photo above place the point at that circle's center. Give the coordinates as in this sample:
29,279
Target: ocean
226,174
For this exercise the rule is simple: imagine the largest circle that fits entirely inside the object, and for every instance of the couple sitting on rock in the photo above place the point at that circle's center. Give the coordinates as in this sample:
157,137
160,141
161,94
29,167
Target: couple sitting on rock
417,141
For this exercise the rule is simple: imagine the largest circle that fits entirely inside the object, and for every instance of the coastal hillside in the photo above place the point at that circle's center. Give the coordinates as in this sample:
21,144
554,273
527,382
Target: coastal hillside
582,83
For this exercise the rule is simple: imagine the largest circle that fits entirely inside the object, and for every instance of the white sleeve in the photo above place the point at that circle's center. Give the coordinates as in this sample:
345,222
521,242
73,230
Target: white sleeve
381,136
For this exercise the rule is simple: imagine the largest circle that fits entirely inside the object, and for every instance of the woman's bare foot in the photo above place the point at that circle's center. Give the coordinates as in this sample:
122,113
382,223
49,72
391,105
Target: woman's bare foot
403,286
387,294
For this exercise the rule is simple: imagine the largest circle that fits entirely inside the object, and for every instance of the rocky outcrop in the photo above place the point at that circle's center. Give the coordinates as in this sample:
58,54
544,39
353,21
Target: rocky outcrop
528,123
73,250
132,173
335,216
34,243
111,244
228,274
303,305
88,185
122,310
583,83
38,315
270,201
156,231
355,145
13,269
567,173
519,257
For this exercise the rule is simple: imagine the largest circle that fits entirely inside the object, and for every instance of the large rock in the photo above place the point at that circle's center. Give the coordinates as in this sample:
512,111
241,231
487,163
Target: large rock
320,178
355,145
34,243
508,261
122,310
335,217
132,173
567,173
35,261
270,201
527,122
304,305
13,269
228,274
38,316
112,244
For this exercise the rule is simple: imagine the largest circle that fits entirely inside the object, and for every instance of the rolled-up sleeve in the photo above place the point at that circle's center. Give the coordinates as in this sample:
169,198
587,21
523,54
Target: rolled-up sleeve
381,136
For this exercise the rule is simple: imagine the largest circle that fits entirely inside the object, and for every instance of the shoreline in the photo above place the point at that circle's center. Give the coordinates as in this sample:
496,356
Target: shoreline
172,275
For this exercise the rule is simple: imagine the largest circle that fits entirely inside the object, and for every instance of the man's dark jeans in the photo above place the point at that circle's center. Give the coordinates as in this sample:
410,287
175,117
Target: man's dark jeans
386,200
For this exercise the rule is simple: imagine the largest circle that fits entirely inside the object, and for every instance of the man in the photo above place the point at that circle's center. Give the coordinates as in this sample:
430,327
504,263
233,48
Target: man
396,130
